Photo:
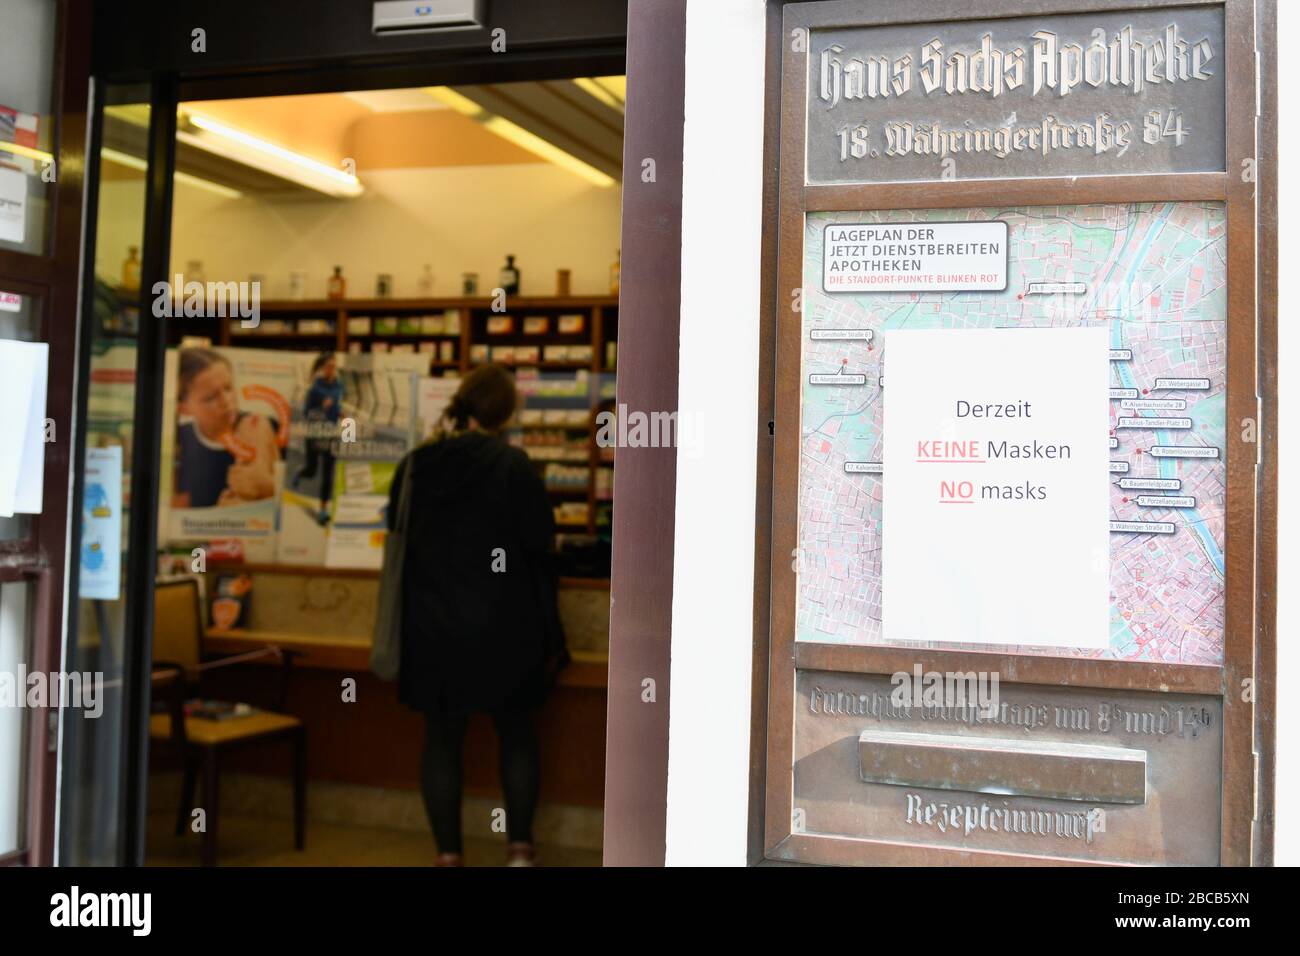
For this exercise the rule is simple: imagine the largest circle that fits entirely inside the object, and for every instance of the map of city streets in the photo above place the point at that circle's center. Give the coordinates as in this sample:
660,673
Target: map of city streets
1154,274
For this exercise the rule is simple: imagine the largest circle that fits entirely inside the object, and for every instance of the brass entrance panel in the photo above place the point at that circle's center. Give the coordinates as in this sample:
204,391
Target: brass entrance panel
1053,773
1030,217
1062,771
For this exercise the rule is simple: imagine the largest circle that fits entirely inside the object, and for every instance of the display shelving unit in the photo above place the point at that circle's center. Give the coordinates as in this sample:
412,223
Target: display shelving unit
599,332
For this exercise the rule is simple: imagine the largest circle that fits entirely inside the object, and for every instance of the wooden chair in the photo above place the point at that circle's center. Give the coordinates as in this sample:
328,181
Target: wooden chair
177,669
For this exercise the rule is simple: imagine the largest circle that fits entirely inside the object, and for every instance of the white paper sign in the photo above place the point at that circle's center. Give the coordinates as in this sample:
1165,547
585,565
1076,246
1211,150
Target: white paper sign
24,367
13,205
996,487
914,256
101,525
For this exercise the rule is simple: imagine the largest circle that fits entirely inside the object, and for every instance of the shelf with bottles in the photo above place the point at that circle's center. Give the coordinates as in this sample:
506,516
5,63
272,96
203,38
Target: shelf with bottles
560,333
574,454
419,323
572,514
302,328
603,483
559,491
607,346
566,478
478,359
312,331
476,303
533,324
560,390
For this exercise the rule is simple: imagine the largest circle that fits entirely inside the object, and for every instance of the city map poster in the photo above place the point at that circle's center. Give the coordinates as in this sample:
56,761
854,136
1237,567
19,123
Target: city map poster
1153,276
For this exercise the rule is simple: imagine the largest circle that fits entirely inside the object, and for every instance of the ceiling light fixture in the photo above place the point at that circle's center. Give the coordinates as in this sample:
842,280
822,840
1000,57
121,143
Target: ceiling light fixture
521,137
135,162
242,147
26,151
593,87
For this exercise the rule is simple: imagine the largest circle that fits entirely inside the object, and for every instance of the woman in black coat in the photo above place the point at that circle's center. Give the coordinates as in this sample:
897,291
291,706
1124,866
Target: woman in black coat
480,631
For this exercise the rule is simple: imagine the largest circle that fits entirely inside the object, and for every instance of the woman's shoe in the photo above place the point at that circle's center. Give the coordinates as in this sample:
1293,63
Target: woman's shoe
521,854
449,859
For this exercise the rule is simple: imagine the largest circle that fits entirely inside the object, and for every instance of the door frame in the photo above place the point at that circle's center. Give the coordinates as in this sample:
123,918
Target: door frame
42,560
452,59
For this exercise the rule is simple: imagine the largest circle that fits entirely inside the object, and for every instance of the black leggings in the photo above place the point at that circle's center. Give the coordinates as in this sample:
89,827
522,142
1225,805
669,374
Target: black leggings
440,773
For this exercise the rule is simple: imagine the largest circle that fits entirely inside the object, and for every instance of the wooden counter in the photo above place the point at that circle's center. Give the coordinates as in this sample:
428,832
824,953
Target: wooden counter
375,740
353,653
367,736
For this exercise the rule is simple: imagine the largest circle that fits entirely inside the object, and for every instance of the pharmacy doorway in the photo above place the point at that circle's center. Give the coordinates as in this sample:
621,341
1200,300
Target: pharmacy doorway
293,276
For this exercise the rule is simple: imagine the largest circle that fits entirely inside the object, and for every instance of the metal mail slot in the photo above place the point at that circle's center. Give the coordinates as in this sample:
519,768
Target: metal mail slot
1060,771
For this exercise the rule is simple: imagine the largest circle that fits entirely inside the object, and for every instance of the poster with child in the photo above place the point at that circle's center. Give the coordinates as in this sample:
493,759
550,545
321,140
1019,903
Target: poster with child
228,429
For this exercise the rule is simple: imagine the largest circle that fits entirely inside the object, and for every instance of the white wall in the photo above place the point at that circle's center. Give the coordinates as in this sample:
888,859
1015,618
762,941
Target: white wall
713,585
712,581
459,219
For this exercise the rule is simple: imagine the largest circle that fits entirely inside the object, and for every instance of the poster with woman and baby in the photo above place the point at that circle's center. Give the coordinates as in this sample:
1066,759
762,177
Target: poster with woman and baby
227,429
256,438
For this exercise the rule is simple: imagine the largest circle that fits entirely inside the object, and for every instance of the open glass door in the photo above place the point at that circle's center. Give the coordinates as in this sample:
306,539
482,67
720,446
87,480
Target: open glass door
116,488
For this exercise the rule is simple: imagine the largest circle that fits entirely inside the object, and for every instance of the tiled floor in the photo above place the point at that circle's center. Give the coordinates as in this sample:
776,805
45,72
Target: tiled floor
251,841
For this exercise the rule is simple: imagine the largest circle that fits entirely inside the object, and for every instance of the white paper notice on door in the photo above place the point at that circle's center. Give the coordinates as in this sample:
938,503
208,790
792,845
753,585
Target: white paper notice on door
13,205
23,370
996,487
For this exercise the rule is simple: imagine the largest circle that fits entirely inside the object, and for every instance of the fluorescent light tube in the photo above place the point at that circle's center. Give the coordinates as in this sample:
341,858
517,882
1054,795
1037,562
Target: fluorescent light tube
135,162
521,137
242,147
37,154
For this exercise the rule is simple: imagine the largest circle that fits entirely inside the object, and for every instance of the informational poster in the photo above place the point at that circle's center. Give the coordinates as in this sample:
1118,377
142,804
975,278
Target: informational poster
260,438
996,447
229,425
1152,277
349,411
356,538
101,525
319,413
939,256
